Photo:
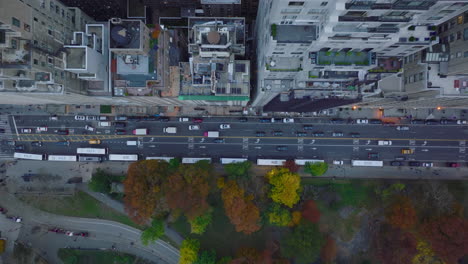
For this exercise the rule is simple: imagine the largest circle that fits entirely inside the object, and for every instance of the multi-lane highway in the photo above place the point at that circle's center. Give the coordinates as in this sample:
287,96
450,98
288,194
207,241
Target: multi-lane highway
436,143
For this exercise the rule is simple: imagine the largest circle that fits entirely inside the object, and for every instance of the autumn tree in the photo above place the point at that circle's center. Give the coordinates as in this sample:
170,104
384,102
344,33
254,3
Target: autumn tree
246,255
200,223
238,170
393,245
303,244
329,250
187,190
189,251
448,237
425,255
142,187
296,218
291,165
310,211
285,186
152,233
278,215
401,213
240,209
316,168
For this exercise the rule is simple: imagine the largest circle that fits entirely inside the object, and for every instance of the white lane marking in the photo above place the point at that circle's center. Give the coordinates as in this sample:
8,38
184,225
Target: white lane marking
16,128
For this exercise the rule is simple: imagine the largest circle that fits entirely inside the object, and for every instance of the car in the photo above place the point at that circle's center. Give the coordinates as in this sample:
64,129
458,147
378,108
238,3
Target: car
243,119
318,134
91,118
82,234
362,121
120,118
384,142
448,122
194,127
427,164
19,147
94,141
432,122
288,120
17,219
103,118
198,120
265,120
36,143
89,128
301,134
402,128
462,122
415,163
337,134
308,127
276,120
184,119
375,121
149,118
120,124
407,151
260,134
418,122
218,140
354,134
11,142
396,163
41,129
3,210
69,233
388,123
337,121
400,158
338,162
164,119
53,118
224,126
120,132
277,133
453,164
373,155
62,132
63,143
134,118
281,148
26,130
80,117
105,124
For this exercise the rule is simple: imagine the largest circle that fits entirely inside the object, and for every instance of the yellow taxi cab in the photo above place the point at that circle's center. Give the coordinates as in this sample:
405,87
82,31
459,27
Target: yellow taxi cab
94,141
407,151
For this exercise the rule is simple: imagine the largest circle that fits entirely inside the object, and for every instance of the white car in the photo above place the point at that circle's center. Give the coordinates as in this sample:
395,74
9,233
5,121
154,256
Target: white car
194,127
338,162
401,128
80,117
225,126
42,129
461,122
26,130
288,120
362,121
89,128
103,118
184,119
68,233
91,118
427,164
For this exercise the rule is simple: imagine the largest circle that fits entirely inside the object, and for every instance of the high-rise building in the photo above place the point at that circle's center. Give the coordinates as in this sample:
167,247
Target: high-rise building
323,48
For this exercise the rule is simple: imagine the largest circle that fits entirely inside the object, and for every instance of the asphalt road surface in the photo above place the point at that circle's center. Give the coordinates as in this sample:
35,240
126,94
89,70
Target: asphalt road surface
435,143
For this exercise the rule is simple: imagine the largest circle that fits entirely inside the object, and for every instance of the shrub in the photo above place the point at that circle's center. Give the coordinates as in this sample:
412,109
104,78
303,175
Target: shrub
316,169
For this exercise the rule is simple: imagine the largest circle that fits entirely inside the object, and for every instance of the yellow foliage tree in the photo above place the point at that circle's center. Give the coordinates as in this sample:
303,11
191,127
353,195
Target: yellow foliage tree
425,255
296,217
285,186
189,251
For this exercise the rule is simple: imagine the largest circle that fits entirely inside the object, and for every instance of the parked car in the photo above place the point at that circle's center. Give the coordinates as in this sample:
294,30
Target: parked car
453,164
318,134
41,129
36,143
388,123
80,117
103,118
218,140
308,127
354,134
277,133
428,164
462,122
134,118
362,121
194,127
396,163
375,121
400,158
402,128
17,219
265,120
62,132
337,121
338,162
288,120
164,119
26,130
415,163
69,233
149,118
432,122
373,155
120,124
418,122
63,143
301,134
260,134
53,118
337,134
184,119
198,120
120,118
3,210
282,148
57,230
19,147
276,120
448,122
120,132
89,128
91,118
224,126
243,119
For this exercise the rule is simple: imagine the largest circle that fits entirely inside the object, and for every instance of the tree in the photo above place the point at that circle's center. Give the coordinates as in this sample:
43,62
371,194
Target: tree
278,215
329,250
425,255
206,257
303,244
291,165
296,217
100,182
143,188
401,213
285,186
393,245
189,251
238,170
200,223
240,209
448,237
310,212
247,255
153,233
187,190
316,168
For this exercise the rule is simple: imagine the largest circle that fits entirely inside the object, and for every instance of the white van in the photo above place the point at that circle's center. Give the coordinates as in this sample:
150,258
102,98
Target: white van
105,124
184,119
132,143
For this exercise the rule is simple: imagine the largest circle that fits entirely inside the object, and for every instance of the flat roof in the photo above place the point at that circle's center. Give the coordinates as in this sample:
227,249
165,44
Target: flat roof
76,57
125,35
296,33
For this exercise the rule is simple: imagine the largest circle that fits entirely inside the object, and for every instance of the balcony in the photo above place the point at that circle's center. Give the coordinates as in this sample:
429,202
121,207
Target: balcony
367,5
17,56
374,19
343,58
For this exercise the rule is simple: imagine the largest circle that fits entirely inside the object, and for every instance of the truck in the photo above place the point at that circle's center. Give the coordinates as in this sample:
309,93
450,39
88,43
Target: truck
170,130
140,131
385,142
211,134
132,143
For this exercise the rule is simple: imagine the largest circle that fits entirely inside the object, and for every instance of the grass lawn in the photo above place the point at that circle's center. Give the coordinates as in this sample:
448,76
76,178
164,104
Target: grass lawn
95,257
78,205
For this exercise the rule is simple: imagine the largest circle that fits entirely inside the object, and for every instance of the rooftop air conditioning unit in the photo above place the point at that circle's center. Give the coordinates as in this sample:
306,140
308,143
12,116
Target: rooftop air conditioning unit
116,20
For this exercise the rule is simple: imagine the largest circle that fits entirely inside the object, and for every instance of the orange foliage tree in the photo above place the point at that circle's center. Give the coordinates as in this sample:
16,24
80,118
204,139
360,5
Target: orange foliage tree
291,165
328,253
401,213
240,209
394,245
310,211
142,188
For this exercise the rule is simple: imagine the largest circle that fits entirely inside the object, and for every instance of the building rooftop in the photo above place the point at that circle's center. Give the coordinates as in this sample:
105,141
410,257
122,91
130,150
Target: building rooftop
76,57
296,33
125,35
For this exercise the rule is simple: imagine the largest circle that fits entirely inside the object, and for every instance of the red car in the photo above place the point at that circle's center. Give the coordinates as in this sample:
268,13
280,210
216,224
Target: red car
454,164
83,234
198,120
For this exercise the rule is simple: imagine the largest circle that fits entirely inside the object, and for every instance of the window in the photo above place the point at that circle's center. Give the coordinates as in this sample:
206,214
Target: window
397,13
35,61
50,60
291,11
278,52
295,3
15,22
57,9
35,19
460,20
452,37
63,13
446,11
421,76
465,34
434,18
465,54
356,13
51,6
296,53
324,4
27,27
14,44
459,54
42,63
459,35
49,32
315,11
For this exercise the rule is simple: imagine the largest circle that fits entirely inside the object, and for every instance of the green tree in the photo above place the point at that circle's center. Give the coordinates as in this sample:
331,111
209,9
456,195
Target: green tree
224,260
100,182
303,244
153,233
189,251
278,215
200,223
316,168
72,259
174,163
238,170
206,257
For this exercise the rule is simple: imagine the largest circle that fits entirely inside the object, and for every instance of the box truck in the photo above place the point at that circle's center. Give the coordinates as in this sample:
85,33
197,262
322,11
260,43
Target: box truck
170,130
140,131
211,134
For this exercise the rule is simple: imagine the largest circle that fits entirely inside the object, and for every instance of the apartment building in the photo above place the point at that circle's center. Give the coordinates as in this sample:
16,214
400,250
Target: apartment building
327,47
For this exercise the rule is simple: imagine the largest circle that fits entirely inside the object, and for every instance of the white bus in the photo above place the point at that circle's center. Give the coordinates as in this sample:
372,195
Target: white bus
160,158
62,158
270,162
194,160
232,160
367,163
29,156
123,157
92,151
302,162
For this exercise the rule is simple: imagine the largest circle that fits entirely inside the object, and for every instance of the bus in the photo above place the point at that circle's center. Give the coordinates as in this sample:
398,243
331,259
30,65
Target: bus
367,163
92,151
160,158
232,160
194,160
62,158
270,162
123,157
302,162
29,156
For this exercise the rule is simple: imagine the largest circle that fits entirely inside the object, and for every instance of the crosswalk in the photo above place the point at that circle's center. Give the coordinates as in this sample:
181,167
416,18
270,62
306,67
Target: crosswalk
6,152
